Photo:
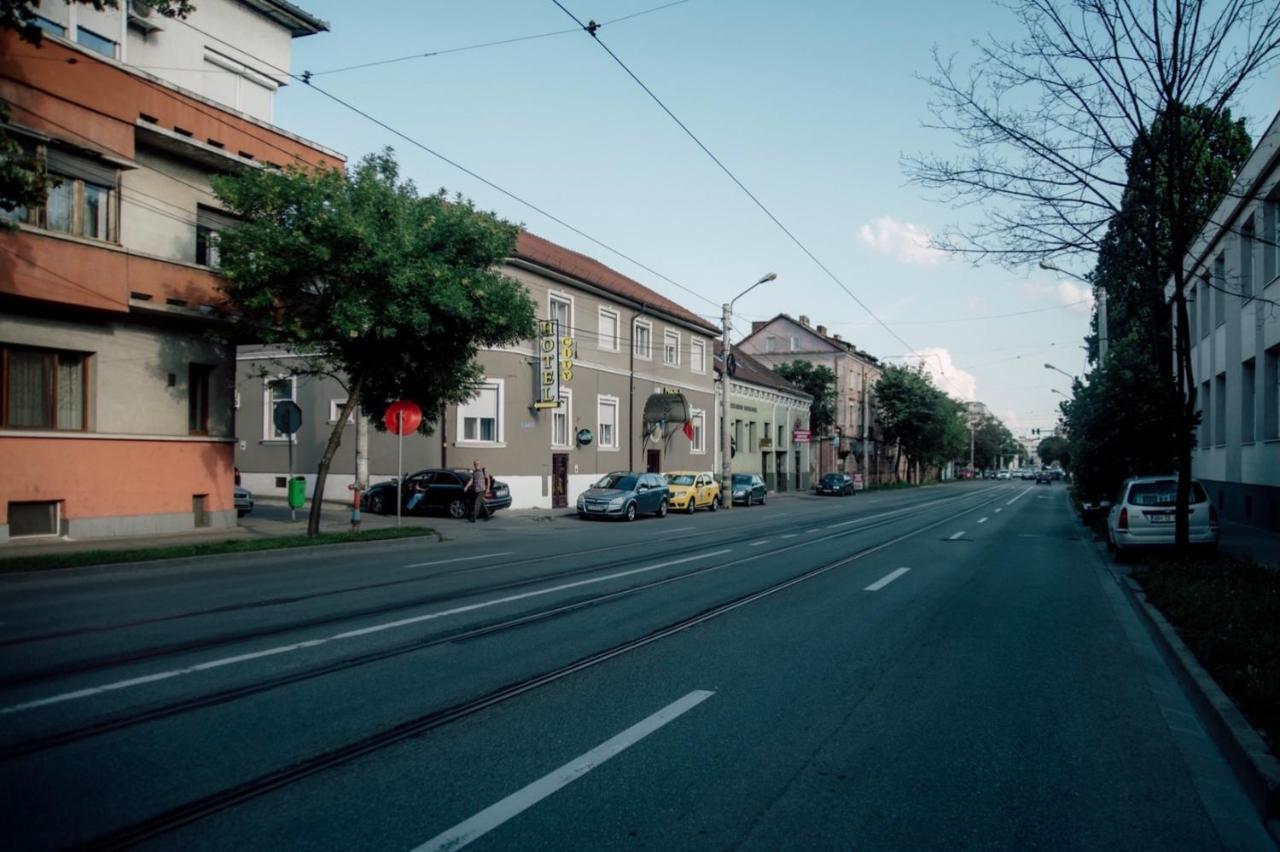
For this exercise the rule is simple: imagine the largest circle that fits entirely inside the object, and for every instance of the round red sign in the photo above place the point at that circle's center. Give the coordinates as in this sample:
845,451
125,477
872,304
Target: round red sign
402,417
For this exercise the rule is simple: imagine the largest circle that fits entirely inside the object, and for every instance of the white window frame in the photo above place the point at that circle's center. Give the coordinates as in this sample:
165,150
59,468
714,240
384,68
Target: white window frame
268,424
668,336
499,427
563,298
770,343
607,401
609,344
335,409
697,355
795,343
566,411
698,446
647,354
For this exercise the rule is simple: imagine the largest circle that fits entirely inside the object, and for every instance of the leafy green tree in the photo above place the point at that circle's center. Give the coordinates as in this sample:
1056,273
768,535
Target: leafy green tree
993,443
820,383
924,423
1055,448
390,292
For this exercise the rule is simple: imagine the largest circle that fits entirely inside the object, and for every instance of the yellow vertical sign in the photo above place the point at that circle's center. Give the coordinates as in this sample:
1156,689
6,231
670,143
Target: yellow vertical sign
548,365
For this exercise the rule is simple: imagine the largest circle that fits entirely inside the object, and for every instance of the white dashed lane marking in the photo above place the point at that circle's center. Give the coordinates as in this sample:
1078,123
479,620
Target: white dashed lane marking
956,536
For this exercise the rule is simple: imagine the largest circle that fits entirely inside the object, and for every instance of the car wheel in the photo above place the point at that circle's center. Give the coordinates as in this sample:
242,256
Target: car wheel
692,507
764,498
630,513
582,516
377,504
457,508
715,503
662,508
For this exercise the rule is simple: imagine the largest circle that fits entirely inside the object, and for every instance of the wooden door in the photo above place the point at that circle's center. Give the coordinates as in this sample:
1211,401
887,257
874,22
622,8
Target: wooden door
654,461
559,480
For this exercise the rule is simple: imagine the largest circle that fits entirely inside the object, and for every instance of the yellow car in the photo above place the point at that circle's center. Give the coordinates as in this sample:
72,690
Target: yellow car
691,490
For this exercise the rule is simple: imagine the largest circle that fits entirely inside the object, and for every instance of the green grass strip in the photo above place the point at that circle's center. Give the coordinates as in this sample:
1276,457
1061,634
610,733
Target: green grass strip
50,561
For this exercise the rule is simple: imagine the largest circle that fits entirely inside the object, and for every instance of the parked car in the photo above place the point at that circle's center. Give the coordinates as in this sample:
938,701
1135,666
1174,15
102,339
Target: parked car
1144,516
443,491
839,484
623,494
243,501
691,490
1044,478
749,488
1002,474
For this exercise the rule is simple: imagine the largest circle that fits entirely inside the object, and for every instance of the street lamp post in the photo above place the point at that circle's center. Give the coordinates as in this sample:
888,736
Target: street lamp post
1063,372
1103,333
726,455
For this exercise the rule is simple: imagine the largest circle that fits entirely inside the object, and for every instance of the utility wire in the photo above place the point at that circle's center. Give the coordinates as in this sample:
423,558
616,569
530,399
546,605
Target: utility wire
592,28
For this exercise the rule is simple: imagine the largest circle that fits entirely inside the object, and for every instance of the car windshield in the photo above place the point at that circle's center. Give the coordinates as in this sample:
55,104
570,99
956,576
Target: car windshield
741,479
681,479
831,477
1163,492
620,481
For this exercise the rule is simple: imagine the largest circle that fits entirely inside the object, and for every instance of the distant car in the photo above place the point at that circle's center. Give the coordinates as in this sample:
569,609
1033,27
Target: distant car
243,500
1028,474
1004,474
749,488
840,484
692,490
443,491
623,494
1144,516
1044,478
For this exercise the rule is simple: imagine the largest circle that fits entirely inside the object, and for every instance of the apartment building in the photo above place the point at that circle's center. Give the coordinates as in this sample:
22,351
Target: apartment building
627,370
116,415
769,426
857,444
1234,325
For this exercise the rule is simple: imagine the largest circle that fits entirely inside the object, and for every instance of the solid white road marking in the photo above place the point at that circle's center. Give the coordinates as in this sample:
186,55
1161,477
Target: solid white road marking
790,535
1020,496
886,580
982,520
350,634
496,814
459,559
814,530
758,543
956,536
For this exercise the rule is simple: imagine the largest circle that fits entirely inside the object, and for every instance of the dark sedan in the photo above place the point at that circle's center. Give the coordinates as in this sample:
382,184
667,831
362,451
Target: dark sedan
1044,478
624,495
749,488
839,484
441,490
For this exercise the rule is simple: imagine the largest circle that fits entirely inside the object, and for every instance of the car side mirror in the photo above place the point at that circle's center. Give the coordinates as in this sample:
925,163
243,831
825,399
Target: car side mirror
643,487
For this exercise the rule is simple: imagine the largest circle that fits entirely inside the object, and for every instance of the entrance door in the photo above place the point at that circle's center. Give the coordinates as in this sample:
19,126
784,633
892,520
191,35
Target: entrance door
654,461
797,470
559,480
781,461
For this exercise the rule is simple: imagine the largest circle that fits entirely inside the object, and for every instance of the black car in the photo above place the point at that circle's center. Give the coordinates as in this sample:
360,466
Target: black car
442,491
749,488
1044,478
839,484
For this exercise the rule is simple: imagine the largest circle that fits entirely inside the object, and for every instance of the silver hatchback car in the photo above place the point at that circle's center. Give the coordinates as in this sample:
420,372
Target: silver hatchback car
1144,516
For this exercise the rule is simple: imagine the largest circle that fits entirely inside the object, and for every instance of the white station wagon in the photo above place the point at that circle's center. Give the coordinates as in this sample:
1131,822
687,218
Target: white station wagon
1144,516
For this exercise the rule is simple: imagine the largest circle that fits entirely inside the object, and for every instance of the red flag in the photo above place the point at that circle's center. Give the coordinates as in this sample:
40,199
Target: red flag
688,429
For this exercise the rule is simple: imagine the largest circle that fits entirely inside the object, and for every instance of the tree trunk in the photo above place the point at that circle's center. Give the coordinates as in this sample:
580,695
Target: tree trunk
897,464
1187,422
331,449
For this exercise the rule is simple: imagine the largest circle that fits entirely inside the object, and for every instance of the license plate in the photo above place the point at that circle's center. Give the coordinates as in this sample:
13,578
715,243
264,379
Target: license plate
595,508
1162,519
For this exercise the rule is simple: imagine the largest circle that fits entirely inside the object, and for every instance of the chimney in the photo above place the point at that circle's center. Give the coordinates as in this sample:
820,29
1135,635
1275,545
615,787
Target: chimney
804,320
838,337
756,325
822,329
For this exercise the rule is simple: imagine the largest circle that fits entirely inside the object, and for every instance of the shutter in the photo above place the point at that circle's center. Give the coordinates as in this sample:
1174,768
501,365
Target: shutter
76,166
214,220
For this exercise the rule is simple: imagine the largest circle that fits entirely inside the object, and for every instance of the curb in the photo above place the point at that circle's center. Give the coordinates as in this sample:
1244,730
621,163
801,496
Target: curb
1253,764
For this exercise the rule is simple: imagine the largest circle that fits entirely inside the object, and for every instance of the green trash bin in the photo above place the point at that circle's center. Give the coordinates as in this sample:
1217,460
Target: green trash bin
297,492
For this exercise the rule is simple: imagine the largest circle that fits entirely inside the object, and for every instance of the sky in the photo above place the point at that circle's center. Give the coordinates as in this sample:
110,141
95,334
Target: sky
810,105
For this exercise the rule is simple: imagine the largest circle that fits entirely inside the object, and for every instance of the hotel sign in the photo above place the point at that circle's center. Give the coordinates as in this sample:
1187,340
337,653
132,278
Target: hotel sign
555,363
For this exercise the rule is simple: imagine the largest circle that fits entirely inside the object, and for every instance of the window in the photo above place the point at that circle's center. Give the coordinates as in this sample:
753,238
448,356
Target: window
279,389
480,419
560,309
32,519
1220,409
1204,415
1248,376
1271,243
562,421
642,339
770,343
50,27
1219,290
335,411
1206,304
81,200
208,223
698,444
697,355
198,398
671,348
1271,394
782,436
1246,258
1191,314
795,343
608,334
43,389
96,43
607,422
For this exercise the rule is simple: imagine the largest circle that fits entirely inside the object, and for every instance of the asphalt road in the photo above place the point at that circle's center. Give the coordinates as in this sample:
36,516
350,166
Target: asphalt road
948,667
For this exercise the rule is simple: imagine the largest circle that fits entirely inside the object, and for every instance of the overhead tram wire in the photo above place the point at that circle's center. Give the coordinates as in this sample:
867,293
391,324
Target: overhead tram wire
455,164
592,28
308,75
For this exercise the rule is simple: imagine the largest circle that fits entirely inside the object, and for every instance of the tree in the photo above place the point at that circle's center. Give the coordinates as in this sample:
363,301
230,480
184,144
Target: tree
922,420
390,292
992,442
23,180
1050,123
820,383
1055,449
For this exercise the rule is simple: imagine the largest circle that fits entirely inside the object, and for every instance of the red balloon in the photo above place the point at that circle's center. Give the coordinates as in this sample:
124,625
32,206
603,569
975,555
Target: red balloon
402,417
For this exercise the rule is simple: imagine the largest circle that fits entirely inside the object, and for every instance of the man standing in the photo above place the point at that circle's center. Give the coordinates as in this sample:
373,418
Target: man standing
475,491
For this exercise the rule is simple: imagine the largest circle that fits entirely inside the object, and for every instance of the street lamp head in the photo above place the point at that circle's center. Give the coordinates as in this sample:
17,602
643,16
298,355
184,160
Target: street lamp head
770,277
1050,367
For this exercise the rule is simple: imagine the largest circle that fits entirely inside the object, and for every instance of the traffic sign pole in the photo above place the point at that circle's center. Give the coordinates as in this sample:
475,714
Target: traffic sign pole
293,513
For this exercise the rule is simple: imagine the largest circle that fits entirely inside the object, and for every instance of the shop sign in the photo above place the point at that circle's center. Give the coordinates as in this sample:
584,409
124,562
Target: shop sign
555,363
800,436
858,484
